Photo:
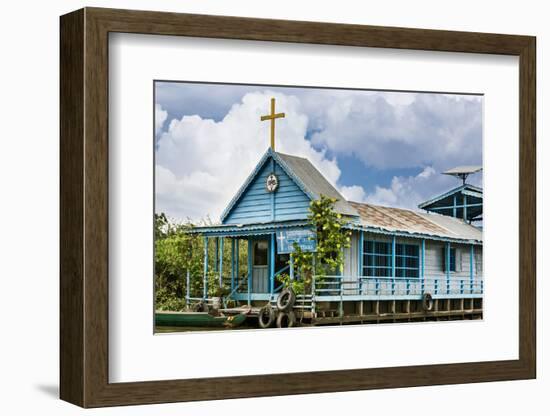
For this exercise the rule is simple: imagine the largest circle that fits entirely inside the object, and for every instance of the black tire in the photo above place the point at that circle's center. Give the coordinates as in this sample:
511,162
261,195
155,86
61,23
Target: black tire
286,319
427,302
200,307
266,317
286,300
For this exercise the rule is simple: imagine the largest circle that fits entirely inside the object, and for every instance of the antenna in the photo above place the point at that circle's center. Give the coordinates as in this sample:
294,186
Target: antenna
462,172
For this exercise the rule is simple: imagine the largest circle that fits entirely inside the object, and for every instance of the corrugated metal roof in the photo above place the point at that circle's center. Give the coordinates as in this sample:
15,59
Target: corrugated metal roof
408,221
247,229
315,182
457,227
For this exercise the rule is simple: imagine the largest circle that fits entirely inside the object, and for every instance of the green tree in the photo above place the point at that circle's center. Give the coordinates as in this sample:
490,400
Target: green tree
177,251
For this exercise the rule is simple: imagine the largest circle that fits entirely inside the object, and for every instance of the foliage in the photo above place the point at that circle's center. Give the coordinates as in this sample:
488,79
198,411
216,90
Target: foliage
299,286
332,238
177,251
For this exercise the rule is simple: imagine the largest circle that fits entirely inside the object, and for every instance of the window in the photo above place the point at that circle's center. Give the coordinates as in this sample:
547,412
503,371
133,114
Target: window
452,259
377,259
260,253
406,260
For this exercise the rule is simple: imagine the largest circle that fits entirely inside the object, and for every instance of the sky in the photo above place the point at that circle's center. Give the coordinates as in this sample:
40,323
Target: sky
379,147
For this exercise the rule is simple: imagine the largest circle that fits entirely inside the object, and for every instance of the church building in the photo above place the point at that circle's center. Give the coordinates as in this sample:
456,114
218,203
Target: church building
402,264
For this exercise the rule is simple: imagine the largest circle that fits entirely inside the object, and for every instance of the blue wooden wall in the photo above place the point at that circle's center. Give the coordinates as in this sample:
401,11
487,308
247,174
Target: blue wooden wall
288,202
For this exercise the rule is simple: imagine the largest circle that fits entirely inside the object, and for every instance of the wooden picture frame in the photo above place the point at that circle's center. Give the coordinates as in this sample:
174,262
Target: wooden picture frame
84,207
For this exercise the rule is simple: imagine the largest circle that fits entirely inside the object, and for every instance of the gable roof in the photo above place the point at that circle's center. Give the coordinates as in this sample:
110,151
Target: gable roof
306,177
411,222
466,188
315,182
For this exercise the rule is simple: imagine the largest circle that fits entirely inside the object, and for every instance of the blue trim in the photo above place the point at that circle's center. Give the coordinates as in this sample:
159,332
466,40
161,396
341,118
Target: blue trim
232,264
220,255
467,186
423,259
360,253
205,275
237,229
216,253
454,205
237,244
269,153
448,263
272,263
393,256
375,230
252,296
471,265
348,298
249,285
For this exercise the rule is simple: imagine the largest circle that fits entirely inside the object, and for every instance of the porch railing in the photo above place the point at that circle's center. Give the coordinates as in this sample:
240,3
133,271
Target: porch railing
345,286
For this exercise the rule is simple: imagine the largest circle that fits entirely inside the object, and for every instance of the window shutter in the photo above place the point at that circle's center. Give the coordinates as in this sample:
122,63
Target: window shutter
443,259
458,260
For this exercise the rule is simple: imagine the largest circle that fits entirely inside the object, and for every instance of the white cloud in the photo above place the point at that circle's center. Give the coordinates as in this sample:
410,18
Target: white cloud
409,191
387,132
160,118
201,163
354,193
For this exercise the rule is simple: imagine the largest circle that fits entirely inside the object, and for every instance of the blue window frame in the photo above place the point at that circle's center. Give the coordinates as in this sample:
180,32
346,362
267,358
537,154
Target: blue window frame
452,259
406,260
377,259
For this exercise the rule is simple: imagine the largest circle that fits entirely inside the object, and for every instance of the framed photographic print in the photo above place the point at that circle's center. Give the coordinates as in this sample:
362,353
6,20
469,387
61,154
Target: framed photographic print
261,207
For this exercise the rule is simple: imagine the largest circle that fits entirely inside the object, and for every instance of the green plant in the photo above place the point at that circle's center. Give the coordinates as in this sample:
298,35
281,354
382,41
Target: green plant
178,251
297,285
332,239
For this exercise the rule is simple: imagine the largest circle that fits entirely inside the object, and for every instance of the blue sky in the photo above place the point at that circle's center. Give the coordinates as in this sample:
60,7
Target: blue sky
380,147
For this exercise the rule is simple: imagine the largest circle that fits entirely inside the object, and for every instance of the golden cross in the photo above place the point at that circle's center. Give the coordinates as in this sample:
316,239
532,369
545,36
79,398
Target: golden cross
272,117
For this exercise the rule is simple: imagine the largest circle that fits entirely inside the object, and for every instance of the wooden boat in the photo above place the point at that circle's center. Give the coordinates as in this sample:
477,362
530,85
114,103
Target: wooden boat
197,319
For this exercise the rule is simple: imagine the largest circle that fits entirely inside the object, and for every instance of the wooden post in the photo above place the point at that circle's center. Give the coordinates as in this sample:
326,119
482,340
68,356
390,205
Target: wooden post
232,264
291,266
205,276
249,270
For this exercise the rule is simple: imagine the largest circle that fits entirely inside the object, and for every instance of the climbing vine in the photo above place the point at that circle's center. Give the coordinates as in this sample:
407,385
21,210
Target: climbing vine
332,239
